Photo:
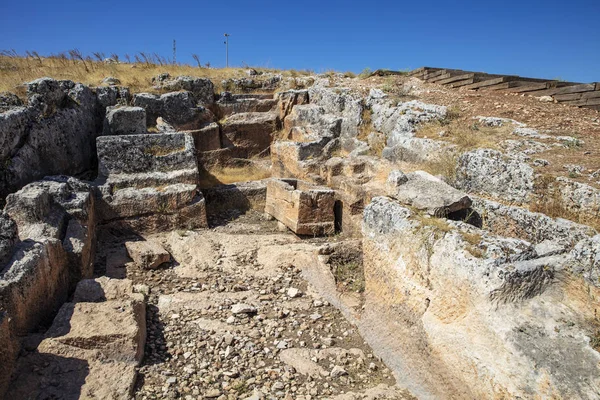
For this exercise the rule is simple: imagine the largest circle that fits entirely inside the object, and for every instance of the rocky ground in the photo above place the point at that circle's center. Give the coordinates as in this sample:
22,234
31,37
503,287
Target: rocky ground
231,318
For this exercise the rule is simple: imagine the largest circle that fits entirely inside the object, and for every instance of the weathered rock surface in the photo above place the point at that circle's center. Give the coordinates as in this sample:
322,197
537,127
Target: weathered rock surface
495,174
231,104
207,138
426,192
149,182
241,196
125,121
147,254
8,238
341,102
90,351
249,134
202,88
287,100
61,208
54,134
305,209
179,109
504,291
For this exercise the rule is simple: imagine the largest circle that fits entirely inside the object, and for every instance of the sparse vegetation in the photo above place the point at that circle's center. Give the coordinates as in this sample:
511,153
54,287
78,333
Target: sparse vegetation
365,73
219,175
347,268
136,71
548,200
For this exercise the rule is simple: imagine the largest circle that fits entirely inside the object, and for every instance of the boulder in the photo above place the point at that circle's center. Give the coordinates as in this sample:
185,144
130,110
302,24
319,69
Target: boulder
125,121
494,174
45,91
147,254
426,192
108,96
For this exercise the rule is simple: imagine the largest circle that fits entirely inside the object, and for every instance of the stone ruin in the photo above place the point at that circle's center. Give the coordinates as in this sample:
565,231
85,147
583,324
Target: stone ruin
464,296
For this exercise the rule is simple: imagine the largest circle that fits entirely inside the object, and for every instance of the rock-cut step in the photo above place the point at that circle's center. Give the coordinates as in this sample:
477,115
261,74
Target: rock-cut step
92,349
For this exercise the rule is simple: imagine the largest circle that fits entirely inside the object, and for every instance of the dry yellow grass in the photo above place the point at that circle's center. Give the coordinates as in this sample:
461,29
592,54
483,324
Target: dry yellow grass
223,175
14,71
466,135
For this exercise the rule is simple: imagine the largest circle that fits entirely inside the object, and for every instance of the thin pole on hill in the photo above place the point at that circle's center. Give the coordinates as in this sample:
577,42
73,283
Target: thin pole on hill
174,52
227,50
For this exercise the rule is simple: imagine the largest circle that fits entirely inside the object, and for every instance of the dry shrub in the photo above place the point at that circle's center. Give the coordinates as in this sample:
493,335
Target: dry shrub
548,200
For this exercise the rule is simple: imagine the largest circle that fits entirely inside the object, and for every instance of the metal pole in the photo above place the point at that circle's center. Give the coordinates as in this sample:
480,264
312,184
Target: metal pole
227,50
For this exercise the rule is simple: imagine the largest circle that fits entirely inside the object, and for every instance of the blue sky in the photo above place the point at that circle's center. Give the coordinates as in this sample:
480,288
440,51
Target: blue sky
547,39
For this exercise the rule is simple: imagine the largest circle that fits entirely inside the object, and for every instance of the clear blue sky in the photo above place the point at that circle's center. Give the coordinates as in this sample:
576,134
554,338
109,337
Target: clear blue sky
548,39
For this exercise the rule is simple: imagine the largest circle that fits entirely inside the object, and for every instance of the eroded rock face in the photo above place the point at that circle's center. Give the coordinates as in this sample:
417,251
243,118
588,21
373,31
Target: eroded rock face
125,121
96,346
61,208
449,280
149,182
179,109
202,88
8,238
234,104
55,134
249,133
491,172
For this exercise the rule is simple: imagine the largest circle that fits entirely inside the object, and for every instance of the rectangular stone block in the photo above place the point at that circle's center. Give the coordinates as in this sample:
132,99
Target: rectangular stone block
302,207
145,153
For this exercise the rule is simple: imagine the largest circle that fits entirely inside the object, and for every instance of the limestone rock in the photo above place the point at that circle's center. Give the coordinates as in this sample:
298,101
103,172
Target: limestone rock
234,104
147,254
54,135
242,308
8,238
207,138
426,192
505,290
305,209
179,109
492,173
202,88
249,133
111,81
125,121
9,101
102,289
88,345
289,99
